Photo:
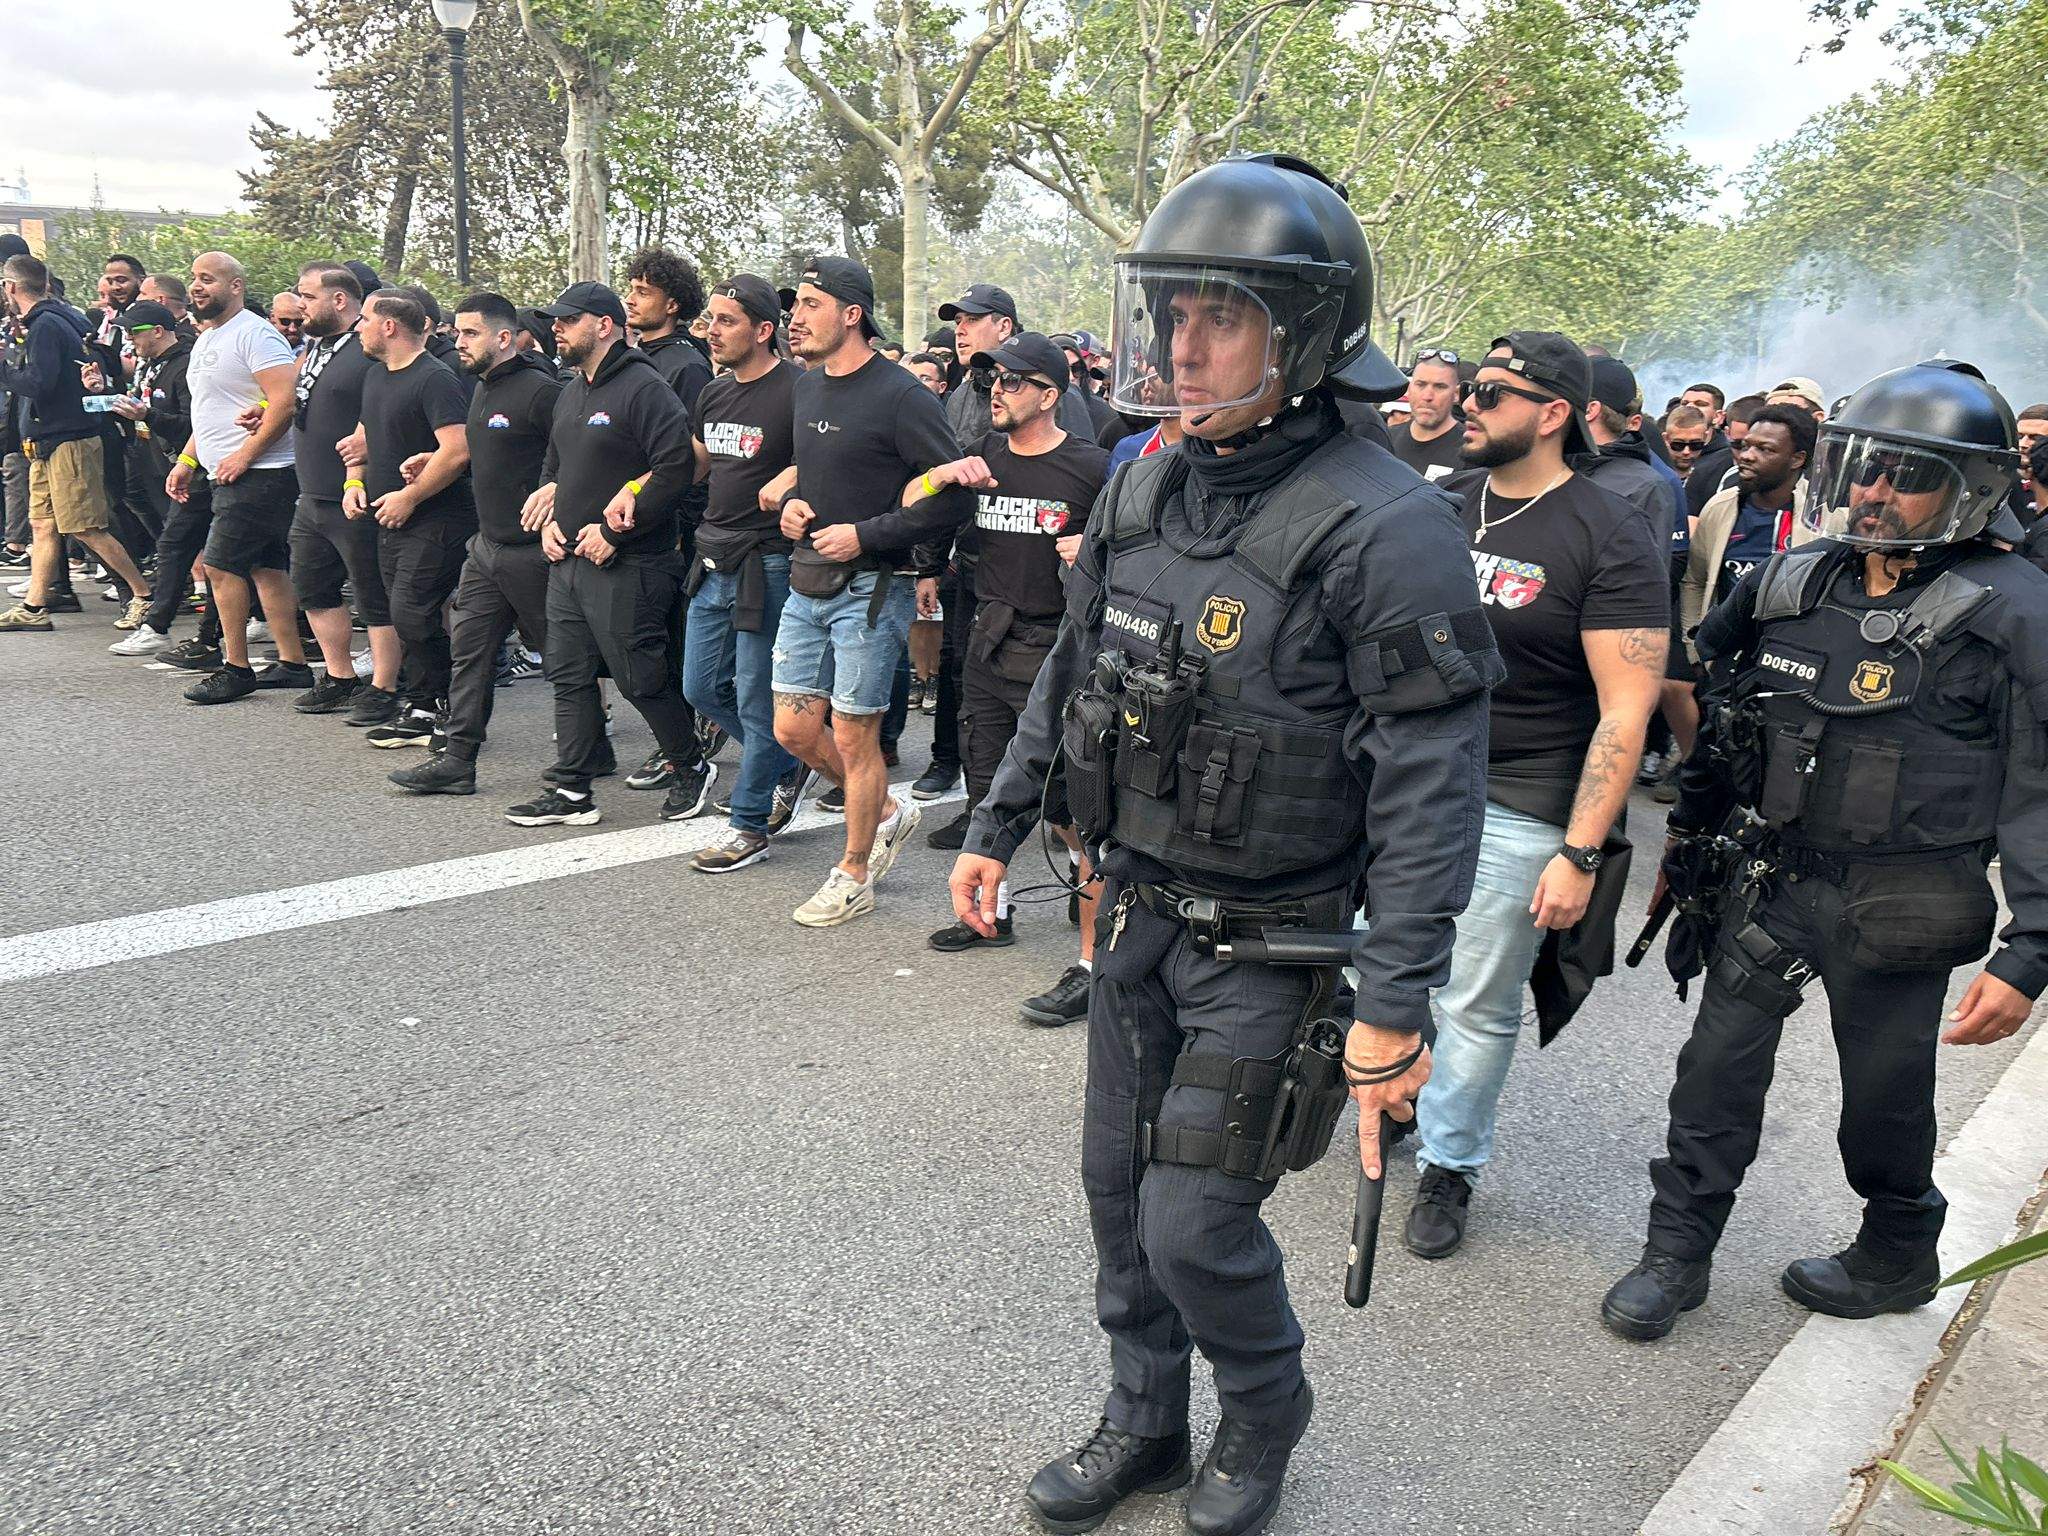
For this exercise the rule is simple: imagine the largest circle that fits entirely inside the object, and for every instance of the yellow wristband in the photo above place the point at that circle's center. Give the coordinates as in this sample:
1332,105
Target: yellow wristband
926,481
263,404
188,461
353,485
634,486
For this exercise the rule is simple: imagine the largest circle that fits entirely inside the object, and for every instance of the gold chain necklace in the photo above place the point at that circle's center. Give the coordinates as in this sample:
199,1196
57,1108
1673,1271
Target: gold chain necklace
1486,527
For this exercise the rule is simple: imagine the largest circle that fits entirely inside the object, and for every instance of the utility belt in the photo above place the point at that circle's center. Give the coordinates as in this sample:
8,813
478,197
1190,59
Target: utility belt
812,575
1216,924
1029,641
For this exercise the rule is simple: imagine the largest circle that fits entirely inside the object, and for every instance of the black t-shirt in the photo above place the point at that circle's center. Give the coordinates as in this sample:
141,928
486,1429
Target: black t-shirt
401,412
1037,500
333,409
747,429
1581,558
861,437
1440,456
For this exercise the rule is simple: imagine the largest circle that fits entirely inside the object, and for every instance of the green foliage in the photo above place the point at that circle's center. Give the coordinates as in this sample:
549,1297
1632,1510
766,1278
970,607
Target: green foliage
1999,1260
2009,1493
79,252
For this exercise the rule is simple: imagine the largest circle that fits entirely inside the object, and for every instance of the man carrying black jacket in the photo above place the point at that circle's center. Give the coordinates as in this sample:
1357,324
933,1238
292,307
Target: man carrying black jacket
617,464
505,578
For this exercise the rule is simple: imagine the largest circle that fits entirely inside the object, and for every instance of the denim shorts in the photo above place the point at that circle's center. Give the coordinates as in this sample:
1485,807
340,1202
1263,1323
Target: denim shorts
825,647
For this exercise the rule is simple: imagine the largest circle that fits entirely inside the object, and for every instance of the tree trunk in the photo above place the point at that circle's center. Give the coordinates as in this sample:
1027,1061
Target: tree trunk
398,216
589,182
917,198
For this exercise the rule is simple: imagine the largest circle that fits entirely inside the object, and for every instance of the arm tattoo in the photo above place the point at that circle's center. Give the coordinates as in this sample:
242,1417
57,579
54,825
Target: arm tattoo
1646,648
1606,757
798,703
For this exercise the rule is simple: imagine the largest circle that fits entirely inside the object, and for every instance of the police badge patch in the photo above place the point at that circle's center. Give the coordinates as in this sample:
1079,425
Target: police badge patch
1222,623
1872,682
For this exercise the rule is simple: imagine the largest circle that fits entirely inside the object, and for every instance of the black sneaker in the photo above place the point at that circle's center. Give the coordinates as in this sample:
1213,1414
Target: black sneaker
833,800
12,559
1077,1491
656,773
443,773
1858,1283
414,728
192,655
1436,1222
711,738
789,798
935,781
552,808
1238,1487
1064,1002
372,706
222,687
959,936
1645,1302
952,835
285,674
689,794
62,602
519,664
330,696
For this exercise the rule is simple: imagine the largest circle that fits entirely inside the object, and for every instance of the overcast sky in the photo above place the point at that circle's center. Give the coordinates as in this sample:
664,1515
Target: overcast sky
162,119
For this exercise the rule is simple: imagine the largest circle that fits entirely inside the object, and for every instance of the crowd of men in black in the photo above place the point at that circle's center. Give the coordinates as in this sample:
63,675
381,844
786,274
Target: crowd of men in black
1338,662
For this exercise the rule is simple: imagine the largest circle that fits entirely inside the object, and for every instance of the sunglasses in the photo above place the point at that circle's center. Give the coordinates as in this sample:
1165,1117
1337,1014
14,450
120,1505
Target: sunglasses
1438,355
1909,476
1686,444
1010,381
1486,397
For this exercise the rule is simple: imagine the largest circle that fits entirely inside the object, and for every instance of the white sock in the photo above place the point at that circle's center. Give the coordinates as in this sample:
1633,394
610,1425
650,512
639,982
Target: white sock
1087,964
1002,899
574,794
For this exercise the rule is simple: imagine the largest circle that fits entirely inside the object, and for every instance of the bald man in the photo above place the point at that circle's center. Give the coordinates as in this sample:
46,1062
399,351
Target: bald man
238,362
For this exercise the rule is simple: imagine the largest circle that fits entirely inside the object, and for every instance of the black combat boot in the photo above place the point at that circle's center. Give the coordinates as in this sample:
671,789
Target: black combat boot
1857,1283
1077,1492
1239,1486
1645,1302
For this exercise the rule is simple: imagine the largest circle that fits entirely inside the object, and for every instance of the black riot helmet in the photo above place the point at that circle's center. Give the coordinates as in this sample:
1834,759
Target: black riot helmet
1262,256
1918,456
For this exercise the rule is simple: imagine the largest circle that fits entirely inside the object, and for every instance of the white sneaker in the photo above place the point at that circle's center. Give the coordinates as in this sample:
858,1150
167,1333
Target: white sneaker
839,899
890,837
144,642
360,661
18,589
257,630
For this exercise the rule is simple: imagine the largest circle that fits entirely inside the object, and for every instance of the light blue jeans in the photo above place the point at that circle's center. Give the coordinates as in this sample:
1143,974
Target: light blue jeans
1479,1011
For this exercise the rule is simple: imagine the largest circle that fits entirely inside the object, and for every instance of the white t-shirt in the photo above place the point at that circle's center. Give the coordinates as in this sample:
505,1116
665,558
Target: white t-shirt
222,376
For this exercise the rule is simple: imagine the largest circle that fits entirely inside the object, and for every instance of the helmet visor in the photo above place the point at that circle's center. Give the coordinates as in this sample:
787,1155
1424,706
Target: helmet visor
1883,495
1190,338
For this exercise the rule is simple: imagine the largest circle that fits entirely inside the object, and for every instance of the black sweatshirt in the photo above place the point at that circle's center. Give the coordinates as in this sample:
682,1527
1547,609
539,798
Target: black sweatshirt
624,424
511,416
860,439
676,359
161,384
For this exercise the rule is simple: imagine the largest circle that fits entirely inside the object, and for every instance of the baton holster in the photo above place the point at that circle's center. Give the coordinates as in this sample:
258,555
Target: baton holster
1279,1112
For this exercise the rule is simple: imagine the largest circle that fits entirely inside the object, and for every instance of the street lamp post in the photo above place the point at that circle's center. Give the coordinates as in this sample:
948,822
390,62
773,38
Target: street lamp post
455,17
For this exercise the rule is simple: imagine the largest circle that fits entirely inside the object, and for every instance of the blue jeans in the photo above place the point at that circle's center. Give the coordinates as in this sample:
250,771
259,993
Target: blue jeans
825,647
1479,1011
728,676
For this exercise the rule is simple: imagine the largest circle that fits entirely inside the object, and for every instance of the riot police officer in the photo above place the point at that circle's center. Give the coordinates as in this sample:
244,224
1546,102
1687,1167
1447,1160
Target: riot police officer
1271,674
1874,733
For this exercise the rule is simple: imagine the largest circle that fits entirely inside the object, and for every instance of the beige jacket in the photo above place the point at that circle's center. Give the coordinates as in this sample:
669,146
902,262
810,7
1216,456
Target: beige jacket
1696,593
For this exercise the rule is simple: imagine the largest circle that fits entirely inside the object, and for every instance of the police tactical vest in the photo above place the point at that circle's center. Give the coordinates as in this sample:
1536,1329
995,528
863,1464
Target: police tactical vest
1855,759
1255,786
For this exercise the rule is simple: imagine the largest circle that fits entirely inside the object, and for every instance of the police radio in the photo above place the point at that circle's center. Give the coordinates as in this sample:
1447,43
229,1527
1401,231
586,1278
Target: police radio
1158,705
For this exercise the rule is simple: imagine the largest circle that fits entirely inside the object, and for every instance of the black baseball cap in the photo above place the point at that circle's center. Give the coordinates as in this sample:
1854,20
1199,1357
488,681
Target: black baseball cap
1614,384
366,275
787,296
847,281
12,245
756,295
943,337
535,324
144,314
1553,361
981,299
586,299
1028,352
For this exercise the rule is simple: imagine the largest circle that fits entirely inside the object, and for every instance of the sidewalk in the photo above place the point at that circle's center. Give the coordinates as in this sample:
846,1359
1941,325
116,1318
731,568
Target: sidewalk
1990,1382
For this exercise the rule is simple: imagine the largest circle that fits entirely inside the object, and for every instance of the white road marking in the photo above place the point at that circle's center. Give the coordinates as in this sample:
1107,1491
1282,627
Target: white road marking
1836,1394
86,946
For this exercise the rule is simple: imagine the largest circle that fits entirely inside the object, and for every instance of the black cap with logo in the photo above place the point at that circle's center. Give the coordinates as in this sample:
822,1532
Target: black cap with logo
1614,385
1555,362
756,295
1030,353
147,314
847,281
981,299
586,299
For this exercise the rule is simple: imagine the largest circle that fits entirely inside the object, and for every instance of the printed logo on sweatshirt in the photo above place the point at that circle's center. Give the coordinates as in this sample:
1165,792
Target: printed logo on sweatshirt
599,419
499,420
819,427
1021,514
731,440
1508,583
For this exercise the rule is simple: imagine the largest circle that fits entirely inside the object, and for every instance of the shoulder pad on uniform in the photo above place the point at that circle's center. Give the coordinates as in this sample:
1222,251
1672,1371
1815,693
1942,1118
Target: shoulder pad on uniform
1945,603
1347,475
1439,658
1791,582
1134,499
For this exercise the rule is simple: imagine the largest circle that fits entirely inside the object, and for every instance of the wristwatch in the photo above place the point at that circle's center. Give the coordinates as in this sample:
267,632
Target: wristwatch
1587,859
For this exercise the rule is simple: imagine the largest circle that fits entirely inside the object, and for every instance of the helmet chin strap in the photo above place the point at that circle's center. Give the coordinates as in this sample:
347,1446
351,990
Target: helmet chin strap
1290,412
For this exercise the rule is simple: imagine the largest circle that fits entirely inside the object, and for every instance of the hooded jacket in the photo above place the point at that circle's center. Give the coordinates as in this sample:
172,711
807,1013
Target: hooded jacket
40,372
1626,468
623,424
511,418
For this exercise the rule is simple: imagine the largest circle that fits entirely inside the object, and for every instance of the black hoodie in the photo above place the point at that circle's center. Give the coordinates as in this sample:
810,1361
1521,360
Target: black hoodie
510,417
40,373
676,358
163,387
624,424
1624,467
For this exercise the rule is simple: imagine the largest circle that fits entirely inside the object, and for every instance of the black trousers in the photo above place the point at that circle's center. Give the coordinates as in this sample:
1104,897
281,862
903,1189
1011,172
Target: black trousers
616,620
956,596
995,688
177,546
1182,1253
421,563
1885,1026
502,585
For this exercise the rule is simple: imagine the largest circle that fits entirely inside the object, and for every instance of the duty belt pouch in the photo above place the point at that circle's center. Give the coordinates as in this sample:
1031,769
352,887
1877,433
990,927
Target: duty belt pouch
1156,716
1870,791
1279,1112
1789,760
1758,970
1215,786
1088,732
1319,1094
1916,917
812,575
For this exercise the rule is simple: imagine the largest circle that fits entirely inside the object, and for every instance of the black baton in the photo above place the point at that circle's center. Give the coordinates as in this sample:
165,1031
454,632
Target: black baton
1365,1227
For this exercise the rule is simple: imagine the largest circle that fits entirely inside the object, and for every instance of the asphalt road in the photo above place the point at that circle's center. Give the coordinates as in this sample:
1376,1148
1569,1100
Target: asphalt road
617,1203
